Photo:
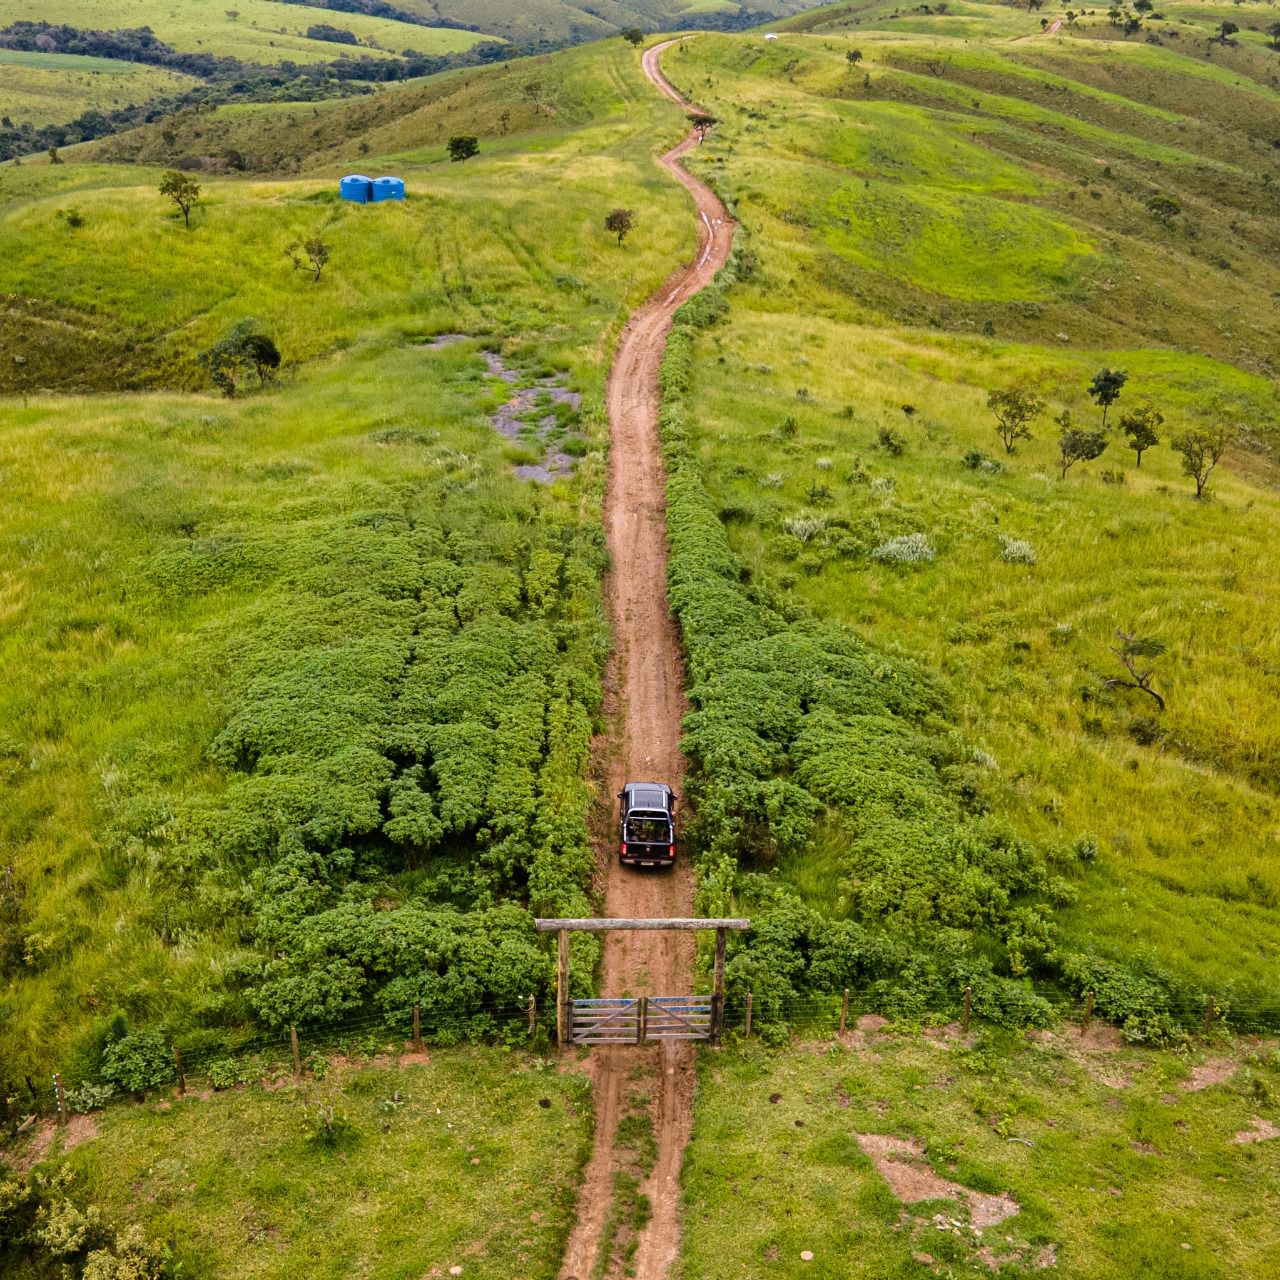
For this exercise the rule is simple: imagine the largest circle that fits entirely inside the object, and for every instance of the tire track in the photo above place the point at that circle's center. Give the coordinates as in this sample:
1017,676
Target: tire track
645,680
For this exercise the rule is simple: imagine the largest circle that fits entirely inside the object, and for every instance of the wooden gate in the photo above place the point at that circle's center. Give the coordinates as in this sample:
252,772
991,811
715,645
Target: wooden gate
624,1020
633,1020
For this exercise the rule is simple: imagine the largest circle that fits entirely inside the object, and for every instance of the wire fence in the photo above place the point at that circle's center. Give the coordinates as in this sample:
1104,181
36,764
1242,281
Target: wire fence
309,1051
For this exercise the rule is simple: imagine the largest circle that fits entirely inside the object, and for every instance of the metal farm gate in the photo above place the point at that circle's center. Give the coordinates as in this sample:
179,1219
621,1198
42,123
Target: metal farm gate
637,1019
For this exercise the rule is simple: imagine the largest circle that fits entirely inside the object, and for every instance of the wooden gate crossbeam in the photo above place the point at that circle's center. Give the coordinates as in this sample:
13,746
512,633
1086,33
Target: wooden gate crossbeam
677,1017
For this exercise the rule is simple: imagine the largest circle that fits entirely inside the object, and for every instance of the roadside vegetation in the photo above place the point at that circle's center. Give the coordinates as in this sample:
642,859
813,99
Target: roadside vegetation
305,678
897,618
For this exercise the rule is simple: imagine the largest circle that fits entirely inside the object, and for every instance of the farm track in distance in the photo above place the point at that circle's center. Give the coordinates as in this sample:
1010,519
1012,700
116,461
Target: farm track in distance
646,703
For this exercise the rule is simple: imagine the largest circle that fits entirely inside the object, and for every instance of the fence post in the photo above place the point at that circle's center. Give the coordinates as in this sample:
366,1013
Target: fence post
60,1098
297,1052
1208,1015
1088,1012
844,1011
562,988
533,1016
182,1075
717,988
968,1008
747,1031
417,1028
642,1020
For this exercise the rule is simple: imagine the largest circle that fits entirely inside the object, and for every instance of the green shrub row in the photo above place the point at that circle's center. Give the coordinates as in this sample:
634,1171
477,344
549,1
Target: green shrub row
797,726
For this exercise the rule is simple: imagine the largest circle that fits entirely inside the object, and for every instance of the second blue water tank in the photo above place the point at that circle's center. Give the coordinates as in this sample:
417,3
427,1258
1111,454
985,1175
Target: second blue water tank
388,189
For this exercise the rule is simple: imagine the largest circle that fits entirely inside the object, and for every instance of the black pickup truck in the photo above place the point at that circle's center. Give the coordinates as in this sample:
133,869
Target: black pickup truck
647,824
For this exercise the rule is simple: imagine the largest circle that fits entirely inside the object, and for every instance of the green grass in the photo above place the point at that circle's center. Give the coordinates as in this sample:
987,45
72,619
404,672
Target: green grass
1114,1165
262,32
879,221
158,544
47,88
469,1160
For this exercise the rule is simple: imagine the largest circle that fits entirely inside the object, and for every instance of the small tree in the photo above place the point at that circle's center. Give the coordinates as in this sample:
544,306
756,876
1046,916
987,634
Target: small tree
1225,31
1105,389
1142,426
54,157
463,146
1131,651
1274,32
633,36
312,256
1014,409
619,222
1164,208
1076,444
242,350
853,57
1201,450
702,123
182,189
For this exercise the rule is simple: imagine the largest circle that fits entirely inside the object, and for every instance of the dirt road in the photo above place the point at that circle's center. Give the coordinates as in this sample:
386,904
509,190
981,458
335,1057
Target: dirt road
647,704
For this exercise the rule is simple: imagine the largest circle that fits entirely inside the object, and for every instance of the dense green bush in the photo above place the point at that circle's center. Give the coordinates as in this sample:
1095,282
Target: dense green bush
796,723
138,1061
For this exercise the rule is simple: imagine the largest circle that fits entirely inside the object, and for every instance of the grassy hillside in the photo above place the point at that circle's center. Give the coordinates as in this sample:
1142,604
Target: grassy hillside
1095,1163
261,31
925,223
45,88
320,638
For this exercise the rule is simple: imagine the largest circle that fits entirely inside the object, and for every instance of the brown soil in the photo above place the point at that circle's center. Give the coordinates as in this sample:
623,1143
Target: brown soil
1215,1071
645,706
78,1130
902,1165
1260,1130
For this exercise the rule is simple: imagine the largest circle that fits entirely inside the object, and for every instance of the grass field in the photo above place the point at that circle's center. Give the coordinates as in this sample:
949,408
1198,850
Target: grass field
260,32
469,1160
47,88
1119,1163
159,543
920,237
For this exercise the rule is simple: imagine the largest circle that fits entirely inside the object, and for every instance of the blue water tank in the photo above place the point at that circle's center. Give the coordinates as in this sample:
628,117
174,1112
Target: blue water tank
388,189
356,187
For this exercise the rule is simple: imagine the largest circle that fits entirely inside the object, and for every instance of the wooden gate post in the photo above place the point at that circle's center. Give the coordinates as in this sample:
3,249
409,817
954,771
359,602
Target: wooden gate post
562,989
717,988
296,1051
417,1028
181,1069
642,1020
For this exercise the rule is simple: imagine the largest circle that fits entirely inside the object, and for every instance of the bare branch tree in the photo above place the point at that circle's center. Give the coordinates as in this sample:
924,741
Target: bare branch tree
1131,650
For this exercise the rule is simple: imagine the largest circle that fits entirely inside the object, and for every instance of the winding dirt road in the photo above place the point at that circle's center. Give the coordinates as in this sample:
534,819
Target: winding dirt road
646,680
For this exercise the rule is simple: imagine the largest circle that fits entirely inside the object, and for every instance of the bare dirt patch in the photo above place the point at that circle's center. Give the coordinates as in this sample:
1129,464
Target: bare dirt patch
1207,1074
901,1163
1259,1130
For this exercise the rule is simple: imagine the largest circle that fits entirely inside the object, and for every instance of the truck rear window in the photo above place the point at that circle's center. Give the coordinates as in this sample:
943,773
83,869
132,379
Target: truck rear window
648,830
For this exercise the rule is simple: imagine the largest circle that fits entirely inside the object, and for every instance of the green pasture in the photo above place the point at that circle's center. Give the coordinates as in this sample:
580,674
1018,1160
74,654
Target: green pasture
260,31
48,88
470,1160
1116,1166
157,543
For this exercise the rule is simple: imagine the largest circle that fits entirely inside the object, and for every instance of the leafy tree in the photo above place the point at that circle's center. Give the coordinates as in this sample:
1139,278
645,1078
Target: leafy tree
1225,31
702,123
463,146
853,57
1274,32
241,351
1014,408
1142,426
54,157
633,36
1201,450
182,189
619,222
1076,444
1165,208
1131,650
1105,389
312,256
1143,6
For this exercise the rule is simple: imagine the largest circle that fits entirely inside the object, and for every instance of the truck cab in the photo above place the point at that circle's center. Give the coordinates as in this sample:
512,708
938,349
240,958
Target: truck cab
647,825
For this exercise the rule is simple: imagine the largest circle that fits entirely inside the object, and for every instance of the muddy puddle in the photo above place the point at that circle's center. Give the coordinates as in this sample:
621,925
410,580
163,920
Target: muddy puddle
539,417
